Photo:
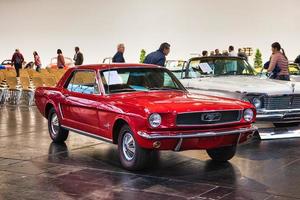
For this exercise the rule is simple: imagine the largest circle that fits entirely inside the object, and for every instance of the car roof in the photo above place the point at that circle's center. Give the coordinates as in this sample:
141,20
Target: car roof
116,65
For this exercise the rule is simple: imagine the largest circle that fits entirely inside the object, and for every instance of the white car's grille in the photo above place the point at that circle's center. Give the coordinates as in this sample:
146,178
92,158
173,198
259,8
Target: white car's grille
282,102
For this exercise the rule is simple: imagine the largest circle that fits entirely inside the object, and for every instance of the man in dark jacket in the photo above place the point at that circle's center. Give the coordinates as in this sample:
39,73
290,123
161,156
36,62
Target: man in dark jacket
158,57
118,57
78,57
17,60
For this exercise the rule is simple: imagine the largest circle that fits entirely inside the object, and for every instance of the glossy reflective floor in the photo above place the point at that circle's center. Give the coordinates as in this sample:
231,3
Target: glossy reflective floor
31,167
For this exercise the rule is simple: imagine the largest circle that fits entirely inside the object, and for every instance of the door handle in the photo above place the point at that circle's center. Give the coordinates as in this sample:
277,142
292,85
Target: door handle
66,95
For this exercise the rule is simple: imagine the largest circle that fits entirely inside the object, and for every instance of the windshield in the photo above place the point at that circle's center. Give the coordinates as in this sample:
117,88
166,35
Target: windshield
139,79
183,73
175,63
222,66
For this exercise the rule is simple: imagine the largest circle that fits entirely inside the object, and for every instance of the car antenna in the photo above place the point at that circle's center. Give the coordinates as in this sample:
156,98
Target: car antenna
108,79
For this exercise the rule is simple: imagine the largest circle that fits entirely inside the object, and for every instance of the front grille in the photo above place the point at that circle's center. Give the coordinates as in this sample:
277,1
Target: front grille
206,118
282,102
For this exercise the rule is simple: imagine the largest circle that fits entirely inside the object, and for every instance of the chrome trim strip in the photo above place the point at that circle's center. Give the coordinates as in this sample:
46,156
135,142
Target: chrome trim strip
279,110
209,111
88,134
196,135
60,111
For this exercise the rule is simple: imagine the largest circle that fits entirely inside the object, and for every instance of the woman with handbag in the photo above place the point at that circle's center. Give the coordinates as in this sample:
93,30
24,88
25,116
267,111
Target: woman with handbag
279,59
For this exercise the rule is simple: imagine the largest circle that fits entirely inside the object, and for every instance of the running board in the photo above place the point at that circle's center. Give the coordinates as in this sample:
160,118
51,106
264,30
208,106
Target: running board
279,133
87,134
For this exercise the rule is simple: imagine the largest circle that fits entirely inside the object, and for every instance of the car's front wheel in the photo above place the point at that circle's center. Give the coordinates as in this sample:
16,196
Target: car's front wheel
222,154
57,133
132,156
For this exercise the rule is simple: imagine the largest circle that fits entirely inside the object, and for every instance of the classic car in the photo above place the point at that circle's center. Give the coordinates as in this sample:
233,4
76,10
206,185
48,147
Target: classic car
277,102
7,64
175,63
53,63
142,109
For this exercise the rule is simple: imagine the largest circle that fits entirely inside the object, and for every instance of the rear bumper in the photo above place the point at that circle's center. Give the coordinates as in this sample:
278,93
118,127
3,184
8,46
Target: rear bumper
286,115
157,136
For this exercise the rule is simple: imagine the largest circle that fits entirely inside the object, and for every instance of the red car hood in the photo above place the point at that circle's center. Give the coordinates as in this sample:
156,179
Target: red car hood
166,101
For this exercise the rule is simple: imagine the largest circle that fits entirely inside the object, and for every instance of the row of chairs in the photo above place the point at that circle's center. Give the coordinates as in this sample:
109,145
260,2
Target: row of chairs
15,90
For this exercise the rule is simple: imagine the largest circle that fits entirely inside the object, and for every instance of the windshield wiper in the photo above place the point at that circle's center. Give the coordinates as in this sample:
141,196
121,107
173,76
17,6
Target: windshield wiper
158,88
122,90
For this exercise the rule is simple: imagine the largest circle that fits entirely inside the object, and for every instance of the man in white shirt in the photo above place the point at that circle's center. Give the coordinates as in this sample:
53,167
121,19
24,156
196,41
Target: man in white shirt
232,66
231,51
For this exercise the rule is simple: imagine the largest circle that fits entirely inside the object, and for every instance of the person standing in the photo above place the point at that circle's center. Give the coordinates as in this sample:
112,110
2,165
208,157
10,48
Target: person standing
242,54
119,56
279,59
231,51
158,57
17,60
204,53
217,52
37,61
60,59
78,57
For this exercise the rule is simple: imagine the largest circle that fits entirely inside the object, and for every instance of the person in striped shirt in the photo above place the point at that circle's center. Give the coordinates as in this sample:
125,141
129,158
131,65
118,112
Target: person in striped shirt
279,59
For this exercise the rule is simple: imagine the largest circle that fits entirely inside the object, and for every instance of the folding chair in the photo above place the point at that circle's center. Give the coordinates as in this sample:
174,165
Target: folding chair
49,81
37,82
14,90
27,90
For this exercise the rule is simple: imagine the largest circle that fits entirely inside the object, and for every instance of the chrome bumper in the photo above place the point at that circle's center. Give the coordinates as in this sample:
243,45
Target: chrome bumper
278,115
195,135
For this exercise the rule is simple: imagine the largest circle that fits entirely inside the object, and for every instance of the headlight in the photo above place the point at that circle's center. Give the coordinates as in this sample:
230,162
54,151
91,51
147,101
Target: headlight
155,120
248,115
256,102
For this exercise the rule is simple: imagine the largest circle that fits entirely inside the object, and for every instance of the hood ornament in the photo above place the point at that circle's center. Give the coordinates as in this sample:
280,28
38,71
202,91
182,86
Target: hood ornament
293,87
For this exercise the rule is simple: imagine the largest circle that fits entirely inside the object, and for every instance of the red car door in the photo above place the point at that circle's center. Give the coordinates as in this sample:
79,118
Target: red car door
81,100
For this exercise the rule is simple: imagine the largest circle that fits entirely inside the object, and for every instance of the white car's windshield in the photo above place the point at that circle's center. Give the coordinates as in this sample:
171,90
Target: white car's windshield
139,79
219,66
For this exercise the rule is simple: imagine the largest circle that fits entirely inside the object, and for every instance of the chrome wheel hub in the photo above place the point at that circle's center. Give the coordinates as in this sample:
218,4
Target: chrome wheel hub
128,146
54,125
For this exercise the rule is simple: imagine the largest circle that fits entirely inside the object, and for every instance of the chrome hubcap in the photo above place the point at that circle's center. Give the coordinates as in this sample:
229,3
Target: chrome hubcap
54,125
128,146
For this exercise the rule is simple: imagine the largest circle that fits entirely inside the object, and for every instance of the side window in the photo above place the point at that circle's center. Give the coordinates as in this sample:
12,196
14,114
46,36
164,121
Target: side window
84,82
168,82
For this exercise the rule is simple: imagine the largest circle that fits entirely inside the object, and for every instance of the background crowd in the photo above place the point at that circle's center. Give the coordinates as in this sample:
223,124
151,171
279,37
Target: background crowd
277,66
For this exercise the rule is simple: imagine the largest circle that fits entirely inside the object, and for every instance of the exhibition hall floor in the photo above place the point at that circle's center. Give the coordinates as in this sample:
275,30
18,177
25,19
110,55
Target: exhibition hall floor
31,167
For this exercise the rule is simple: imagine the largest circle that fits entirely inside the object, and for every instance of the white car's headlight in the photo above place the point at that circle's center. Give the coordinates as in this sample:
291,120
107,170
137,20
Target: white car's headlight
248,115
256,102
155,120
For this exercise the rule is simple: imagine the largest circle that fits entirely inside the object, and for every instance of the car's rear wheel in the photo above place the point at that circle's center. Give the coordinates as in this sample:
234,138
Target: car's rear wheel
222,154
132,156
282,125
57,133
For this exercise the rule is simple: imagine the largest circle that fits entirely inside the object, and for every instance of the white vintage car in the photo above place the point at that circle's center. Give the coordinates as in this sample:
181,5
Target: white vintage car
277,102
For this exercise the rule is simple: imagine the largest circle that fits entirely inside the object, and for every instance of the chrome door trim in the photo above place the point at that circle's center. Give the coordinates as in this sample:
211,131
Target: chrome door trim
88,134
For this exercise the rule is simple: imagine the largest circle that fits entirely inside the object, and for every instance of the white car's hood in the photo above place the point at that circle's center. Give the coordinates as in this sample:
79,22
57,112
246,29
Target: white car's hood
243,84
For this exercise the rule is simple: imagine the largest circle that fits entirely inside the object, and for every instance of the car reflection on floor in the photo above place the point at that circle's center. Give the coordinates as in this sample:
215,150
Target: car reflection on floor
85,168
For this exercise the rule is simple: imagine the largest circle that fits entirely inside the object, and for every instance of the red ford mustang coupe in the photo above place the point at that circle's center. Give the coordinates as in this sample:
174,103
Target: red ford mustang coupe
142,109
